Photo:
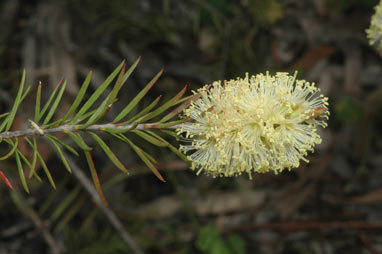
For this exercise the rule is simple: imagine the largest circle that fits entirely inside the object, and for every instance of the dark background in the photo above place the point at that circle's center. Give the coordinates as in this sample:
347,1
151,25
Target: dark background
331,205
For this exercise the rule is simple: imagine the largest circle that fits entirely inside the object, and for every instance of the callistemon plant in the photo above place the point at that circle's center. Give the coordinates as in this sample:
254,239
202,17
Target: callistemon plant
253,124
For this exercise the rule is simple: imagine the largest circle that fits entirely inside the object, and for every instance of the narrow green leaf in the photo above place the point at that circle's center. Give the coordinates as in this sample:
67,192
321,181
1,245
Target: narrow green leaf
21,173
38,103
85,116
113,94
170,132
144,111
4,123
65,203
67,147
79,141
22,156
126,140
34,148
149,138
97,93
11,151
95,177
98,114
109,153
146,160
151,158
137,98
179,109
106,104
55,104
187,98
4,115
117,87
16,104
165,106
79,96
131,69
60,153
25,93
47,104
37,176
171,147
46,170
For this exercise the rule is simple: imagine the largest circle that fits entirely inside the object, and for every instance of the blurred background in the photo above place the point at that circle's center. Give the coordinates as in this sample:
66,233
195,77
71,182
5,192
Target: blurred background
331,205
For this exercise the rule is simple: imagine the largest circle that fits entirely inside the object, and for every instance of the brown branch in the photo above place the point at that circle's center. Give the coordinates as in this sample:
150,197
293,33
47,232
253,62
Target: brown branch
39,224
293,226
110,215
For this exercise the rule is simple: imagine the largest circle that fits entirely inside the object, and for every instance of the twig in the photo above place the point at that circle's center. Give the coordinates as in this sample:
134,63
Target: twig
71,128
24,208
366,242
110,215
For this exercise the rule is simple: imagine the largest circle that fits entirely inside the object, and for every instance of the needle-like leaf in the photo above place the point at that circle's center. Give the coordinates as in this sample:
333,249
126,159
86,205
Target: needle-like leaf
171,147
95,177
79,141
106,104
21,173
79,96
137,98
55,104
47,104
144,111
179,109
145,159
149,138
109,153
16,104
34,148
9,154
60,153
46,170
97,93
68,147
38,103
165,106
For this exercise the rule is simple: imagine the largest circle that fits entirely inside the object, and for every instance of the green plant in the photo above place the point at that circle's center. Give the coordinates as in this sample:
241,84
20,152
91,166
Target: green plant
257,124
85,117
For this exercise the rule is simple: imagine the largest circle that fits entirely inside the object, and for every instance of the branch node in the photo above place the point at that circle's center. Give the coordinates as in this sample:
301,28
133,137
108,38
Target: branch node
36,127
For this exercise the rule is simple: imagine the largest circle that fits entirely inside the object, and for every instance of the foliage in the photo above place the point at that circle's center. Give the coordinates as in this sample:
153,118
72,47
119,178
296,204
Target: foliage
84,117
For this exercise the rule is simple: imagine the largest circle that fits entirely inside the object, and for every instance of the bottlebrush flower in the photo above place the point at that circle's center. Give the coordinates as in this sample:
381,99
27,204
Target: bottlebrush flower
253,124
374,33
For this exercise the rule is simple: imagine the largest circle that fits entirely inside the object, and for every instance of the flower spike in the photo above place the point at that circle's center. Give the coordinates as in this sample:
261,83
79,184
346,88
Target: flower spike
253,124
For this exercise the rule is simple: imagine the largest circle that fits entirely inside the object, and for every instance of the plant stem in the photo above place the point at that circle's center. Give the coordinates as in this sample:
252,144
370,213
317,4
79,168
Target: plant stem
73,128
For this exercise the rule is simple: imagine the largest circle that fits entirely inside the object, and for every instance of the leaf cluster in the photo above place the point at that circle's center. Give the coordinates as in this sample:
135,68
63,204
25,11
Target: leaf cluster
84,117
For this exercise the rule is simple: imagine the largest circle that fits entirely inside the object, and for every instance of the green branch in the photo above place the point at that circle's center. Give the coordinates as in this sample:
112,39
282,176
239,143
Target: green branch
85,116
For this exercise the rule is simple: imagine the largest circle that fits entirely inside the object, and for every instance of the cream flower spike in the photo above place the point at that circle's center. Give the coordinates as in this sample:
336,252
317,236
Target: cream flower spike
254,124
374,33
